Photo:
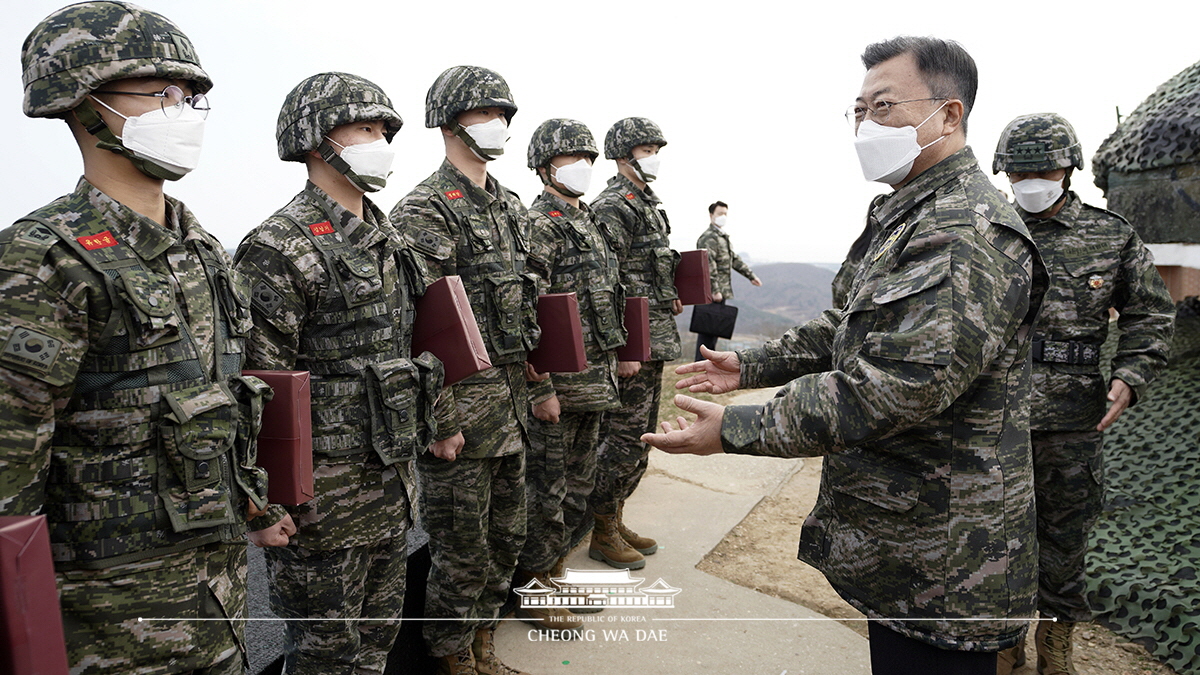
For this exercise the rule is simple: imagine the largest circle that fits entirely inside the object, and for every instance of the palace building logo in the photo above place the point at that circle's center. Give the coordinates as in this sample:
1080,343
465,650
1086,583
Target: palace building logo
597,588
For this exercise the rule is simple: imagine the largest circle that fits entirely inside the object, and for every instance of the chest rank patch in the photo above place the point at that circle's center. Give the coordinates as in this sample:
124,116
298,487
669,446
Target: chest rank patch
891,240
554,214
31,349
1095,281
630,196
265,298
321,228
453,194
94,241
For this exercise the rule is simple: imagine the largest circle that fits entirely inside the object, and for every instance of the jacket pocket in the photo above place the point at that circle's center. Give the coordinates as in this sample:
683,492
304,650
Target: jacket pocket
607,326
912,312
197,431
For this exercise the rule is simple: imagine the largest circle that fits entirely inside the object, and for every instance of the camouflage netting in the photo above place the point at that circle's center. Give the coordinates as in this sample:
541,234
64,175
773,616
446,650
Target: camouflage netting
1143,580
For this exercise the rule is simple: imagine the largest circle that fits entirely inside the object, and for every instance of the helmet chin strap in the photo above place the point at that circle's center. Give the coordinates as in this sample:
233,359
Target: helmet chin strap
95,125
364,183
546,180
461,132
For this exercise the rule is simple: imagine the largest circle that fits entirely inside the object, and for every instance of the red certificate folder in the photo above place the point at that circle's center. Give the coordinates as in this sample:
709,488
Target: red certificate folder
692,279
285,442
31,630
561,348
445,326
637,325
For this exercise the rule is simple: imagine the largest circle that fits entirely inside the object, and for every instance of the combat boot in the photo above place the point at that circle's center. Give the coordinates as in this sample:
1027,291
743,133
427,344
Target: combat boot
609,547
643,545
1053,640
460,663
1010,659
549,618
486,661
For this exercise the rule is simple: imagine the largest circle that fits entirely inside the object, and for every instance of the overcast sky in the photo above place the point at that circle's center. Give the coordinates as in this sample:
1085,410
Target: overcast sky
749,94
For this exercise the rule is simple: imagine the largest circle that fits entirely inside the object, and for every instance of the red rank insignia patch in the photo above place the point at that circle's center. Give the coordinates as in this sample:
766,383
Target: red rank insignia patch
95,241
554,214
321,228
630,196
454,194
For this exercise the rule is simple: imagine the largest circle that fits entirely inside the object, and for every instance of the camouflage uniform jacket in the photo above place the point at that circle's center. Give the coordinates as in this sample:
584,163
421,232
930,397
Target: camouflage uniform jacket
1095,261
333,294
566,243
639,233
840,286
127,420
456,227
917,392
721,260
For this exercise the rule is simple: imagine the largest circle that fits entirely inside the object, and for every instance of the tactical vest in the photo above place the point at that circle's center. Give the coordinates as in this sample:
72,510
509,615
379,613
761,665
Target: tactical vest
503,287
592,273
649,264
367,394
149,449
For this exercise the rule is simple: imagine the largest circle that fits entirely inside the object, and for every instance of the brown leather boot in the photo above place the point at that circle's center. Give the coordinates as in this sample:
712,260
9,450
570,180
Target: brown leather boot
486,661
1010,659
609,547
1053,640
461,663
549,618
643,545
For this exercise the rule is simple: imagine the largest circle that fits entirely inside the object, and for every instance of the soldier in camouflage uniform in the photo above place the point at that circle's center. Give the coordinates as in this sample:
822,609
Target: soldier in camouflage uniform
127,422
332,288
721,262
916,391
1095,261
639,233
567,246
460,221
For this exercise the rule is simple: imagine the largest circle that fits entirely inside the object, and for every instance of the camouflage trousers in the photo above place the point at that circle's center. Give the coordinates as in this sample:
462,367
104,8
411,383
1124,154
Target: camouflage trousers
339,584
560,470
474,512
101,609
1069,483
621,456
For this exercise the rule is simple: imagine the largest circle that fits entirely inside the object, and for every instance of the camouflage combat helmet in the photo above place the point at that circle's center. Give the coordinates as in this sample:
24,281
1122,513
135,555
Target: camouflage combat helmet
80,47
628,133
326,101
466,88
560,136
1038,142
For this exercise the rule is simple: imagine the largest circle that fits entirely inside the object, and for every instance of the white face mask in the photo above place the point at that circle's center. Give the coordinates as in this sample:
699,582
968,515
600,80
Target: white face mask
489,138
1037,194
647,167
172,143
370,162
576,177
886,154
721,220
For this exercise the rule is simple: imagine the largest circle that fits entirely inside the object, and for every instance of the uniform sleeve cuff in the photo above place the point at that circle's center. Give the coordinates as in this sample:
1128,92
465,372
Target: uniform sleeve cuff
741,429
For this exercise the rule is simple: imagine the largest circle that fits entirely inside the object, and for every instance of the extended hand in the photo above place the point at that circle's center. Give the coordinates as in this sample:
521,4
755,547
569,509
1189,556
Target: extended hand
721,372
448,448
278,534
1121,395
756,282
548,410
702,437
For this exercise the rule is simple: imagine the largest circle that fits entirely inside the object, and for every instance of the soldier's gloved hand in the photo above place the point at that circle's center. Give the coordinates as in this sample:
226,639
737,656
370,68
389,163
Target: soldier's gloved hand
448,448
702,437
720,372
1120,395
628,368
278,534
548,410
677,307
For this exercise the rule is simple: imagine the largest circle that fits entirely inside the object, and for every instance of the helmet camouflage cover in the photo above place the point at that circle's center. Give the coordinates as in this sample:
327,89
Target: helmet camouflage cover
1038,142
80,47
629,133
462,88
560,136
323,102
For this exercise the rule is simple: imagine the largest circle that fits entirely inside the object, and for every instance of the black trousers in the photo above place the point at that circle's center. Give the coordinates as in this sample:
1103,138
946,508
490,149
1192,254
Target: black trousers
896,654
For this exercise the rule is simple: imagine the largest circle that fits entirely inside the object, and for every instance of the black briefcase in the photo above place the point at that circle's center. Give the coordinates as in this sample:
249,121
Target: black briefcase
714,319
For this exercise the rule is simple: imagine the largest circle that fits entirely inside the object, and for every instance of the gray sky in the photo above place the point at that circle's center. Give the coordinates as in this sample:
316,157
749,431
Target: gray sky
749,94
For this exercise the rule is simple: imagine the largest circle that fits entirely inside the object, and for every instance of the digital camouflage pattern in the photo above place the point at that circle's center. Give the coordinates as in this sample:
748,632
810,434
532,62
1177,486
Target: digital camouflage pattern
721,260
324,102
560,473
76,49
844,279
462,88
621,456
128,422
917,392
559,136
1037,142
629,133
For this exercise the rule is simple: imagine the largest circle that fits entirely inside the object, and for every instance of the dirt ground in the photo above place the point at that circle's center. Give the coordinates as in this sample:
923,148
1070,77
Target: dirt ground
760,553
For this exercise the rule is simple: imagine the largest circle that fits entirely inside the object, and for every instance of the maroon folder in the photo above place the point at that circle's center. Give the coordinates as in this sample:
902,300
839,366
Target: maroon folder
285,442
561,348
637,325
31,630
445,326
692,281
